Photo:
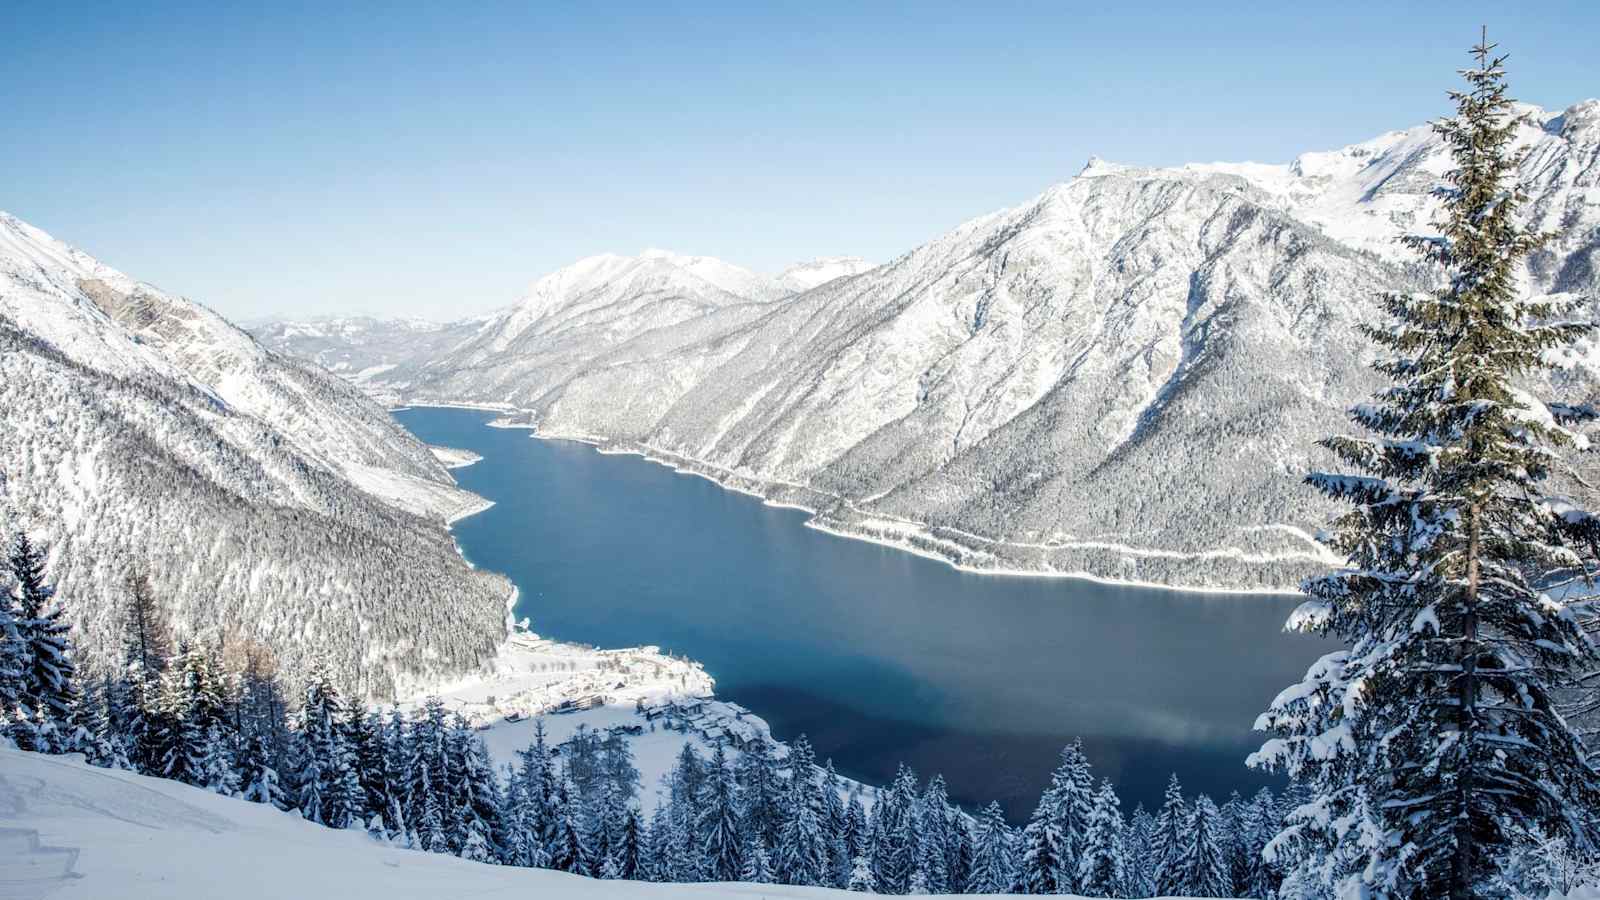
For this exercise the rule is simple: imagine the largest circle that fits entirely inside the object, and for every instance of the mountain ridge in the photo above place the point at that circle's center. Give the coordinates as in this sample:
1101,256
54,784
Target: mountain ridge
1121,377
266,500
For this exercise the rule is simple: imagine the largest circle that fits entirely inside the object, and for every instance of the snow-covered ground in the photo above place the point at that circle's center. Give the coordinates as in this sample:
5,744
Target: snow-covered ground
657,702
68,830
454,458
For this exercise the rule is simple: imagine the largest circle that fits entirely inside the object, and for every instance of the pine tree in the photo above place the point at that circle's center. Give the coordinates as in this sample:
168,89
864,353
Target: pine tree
659,842
1170,840
178,735
862,880
569,854
893,844
1103,867
49,677
1435,739
994,867
833,820
13,657
718,826
1235,824
217,768
146,642
630,850
1260,824
802,855
757,864
759,785
854,835
1043,849
1137,841
1074,790
259,778
430,826
327,791
1204,862
936,837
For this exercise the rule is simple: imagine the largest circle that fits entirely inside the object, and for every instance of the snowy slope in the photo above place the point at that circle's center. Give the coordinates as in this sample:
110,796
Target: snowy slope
266,499
1095,381
74,831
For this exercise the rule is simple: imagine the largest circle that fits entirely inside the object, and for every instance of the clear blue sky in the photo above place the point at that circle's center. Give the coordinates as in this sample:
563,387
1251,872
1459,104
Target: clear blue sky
432,161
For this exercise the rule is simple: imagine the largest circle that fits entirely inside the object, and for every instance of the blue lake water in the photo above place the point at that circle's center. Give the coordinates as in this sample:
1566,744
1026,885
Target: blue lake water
879,656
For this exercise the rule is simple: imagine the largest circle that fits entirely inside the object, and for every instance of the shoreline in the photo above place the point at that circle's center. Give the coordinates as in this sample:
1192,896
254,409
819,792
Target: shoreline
819,521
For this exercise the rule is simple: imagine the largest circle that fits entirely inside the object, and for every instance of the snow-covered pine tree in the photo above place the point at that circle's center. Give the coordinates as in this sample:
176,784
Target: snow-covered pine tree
364,734
430,830
1043,850
49,678
325,791
934,835
801,856
1261,823
538,778
720,846
179,734
762,792
1103,867
424,768
217,766
13,660
862,880
1435,739
854,835
1169,840
757,864
1235,815
104,745
1137,841
894,838
656,861
994,867
1204,862
684,786
259,782
1074,789
630,849
570,853
477,795
833,820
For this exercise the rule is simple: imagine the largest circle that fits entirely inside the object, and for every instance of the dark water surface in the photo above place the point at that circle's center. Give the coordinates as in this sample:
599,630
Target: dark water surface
878,655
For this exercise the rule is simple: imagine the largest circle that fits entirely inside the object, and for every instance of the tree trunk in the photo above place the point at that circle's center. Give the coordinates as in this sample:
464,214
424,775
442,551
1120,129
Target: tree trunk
1461,887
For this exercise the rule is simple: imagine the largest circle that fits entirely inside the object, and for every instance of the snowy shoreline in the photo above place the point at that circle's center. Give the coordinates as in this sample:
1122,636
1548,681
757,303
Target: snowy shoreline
919,539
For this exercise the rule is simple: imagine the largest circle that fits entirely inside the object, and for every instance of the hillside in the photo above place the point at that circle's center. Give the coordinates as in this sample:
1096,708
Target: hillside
1122,377
68,830
265,499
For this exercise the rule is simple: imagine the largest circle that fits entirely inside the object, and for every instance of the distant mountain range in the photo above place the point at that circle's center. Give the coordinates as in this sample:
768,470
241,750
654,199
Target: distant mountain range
266,500
1122,377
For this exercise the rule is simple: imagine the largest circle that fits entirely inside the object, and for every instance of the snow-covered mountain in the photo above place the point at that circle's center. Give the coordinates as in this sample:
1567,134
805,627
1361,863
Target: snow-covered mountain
1123,376
265,499
818,272
566,319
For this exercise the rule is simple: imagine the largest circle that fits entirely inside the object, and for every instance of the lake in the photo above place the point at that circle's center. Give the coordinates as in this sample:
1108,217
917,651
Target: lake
878,655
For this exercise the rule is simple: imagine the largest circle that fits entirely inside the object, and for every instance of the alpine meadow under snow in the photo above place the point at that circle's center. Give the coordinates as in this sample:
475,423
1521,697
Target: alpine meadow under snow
1124,376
